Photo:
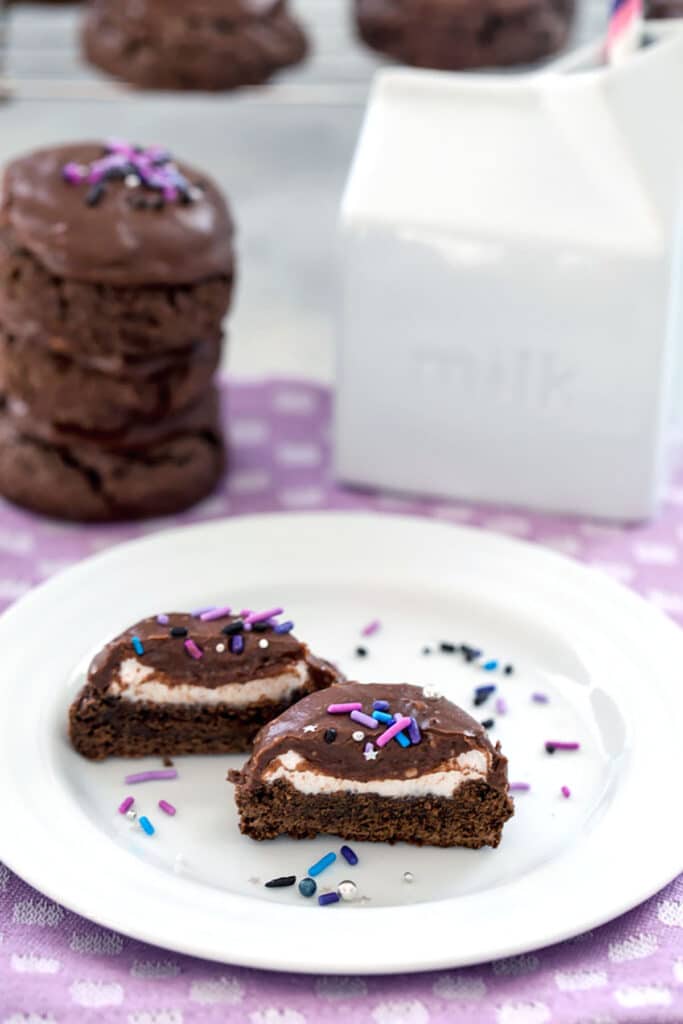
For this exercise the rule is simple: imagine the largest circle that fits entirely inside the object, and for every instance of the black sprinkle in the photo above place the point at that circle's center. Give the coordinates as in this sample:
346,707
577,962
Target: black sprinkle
448,648
426,650
330,735
469,653
550,748
480,699
362,652
156,201
508,670
178,631
281,883
233,627
488,723
261,627
95,194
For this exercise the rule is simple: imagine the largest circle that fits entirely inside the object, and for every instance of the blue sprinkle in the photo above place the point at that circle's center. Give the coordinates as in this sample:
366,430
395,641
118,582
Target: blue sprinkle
237,644
349,855
323,863
402,739
328,897
284,627
380,705
485,691
307,887
382,716
490,666
137,645
146,825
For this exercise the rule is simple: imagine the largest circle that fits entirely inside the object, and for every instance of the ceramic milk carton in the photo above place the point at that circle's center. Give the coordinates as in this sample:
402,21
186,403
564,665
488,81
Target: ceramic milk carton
511,329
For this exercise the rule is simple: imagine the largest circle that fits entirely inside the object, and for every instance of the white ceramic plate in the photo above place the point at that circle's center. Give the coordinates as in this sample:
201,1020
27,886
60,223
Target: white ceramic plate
609,663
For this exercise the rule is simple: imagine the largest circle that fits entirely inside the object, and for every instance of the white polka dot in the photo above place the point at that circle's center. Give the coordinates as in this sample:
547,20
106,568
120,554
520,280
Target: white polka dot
14,542
156,1017
217,990
154,969
10,588
298,454
29,1018
643,995
678,969
452,986
108,943
667,600
580,981
635,947
408,1011
249,481
43,913
617,570
298,497
515,526
453,513
96,993
563,544
523,1013
341,987
649,553
671,912
271,1015
4,877
515,966
247,432
297,403
27,963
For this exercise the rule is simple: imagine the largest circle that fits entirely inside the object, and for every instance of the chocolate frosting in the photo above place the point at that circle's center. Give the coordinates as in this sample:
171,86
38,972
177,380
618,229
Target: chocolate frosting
113,242
167,655
446,729
220,10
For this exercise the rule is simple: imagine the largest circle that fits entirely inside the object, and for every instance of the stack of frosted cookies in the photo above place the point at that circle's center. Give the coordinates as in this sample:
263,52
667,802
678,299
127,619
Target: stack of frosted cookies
116,271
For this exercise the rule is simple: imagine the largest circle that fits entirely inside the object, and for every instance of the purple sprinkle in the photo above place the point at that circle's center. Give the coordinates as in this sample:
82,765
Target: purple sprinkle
501,706
126,805
215,613
167,808
170,193
159,773
73,173
344,709
371,628
363,719
519,787
414,734
540,698
380,705
349,855
192,649
120,146
198,612
368,747
566,792
328,897
284,627
163,620
270,613
552,745
237,644
399,725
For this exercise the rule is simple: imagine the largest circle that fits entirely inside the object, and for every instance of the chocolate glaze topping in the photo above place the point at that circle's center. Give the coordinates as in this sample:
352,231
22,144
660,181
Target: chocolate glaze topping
113,242
446,729
174,666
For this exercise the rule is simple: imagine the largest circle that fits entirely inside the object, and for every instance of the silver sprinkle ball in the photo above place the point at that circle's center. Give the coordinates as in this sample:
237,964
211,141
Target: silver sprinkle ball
263,643
220,648
358,736
131,815
347,890
131,181
408,877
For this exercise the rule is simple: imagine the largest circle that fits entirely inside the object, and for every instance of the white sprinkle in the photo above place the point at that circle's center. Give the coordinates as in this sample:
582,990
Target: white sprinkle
309,728
131,815
131,181
358,736
408,877
347,890
263,643
220,648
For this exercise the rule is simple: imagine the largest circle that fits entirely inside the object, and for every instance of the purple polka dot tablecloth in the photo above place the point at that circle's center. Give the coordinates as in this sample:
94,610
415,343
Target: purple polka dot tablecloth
58,967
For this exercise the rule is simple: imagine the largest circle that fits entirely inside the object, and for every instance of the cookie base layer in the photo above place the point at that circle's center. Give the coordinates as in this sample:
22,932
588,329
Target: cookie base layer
191,52
481,33
101,727
473,817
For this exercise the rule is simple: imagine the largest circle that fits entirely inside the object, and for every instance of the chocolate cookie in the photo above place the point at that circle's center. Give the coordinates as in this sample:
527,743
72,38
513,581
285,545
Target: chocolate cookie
460,34
663,8
144,471
210,44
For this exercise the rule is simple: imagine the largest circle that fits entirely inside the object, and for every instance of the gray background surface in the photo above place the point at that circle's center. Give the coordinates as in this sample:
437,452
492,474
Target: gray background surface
281,153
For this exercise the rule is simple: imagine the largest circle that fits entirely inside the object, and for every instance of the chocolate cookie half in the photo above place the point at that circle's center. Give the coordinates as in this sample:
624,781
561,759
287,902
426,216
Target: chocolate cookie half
198,683
375,762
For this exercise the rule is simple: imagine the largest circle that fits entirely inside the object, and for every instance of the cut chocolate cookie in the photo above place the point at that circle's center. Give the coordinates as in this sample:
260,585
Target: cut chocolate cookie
190,685
375,762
